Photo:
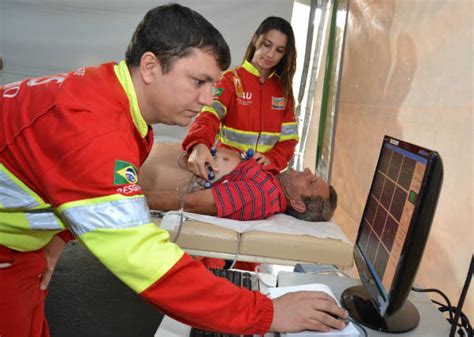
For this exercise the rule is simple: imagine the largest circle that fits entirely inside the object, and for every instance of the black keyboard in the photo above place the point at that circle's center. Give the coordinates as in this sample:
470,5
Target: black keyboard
239,278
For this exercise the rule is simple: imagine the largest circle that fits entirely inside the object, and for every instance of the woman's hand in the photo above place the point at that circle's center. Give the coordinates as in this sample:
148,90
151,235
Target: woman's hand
200,155
52,252
261,159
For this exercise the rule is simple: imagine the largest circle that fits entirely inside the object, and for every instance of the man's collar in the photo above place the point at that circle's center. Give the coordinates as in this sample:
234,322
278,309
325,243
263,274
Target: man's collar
123,74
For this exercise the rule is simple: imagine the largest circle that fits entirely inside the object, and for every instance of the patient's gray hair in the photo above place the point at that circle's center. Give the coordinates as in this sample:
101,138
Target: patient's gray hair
317,208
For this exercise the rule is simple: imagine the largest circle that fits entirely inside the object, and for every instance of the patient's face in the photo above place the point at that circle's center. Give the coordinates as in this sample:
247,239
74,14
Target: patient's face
306,184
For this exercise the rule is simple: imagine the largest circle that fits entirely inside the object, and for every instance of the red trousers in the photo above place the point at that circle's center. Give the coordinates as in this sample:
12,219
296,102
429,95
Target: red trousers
21,300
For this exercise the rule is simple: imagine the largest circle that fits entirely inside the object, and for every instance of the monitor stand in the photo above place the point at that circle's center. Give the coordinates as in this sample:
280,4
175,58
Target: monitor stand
361,309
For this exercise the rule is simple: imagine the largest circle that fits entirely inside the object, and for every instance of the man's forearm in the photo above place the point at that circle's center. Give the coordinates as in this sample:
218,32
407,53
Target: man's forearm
201,201
163,200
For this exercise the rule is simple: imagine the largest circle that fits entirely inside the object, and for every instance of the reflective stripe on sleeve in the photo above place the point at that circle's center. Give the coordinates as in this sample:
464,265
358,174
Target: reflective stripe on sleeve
44,219
139,255
289,131
119,232
112,212
13,193
217,109
29,209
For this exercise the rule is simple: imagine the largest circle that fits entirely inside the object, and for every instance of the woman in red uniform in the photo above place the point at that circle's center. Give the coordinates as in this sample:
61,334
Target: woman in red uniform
253,105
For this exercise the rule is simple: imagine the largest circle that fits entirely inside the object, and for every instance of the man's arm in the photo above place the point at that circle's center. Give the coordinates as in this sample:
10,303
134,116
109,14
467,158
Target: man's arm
201,202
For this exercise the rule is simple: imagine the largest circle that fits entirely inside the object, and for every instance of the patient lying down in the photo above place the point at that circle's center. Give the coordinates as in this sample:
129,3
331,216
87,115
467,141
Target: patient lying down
241,189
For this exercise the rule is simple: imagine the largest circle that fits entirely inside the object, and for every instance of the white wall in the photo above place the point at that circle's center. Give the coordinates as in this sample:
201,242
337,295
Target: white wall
408,73
43,37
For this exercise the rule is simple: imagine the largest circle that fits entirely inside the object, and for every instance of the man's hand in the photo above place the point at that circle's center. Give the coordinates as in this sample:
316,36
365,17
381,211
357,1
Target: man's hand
200,155
52,252
307,310
261,159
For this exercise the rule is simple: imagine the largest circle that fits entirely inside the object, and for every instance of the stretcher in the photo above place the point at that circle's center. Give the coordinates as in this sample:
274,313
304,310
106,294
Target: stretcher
210,239
200,238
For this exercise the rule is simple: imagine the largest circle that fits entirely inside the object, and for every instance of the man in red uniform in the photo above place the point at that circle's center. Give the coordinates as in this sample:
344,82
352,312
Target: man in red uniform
70,148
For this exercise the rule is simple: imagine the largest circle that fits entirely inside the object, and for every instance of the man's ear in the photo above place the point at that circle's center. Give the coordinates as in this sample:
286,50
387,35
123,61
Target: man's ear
298,205
149,67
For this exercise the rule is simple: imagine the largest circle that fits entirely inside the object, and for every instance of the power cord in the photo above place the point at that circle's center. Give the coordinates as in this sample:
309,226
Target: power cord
237,252
443,307
462,297
182,191
464,328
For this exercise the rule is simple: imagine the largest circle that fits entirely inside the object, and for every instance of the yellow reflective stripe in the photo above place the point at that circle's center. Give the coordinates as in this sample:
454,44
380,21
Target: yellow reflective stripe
290,137
264,148
16,234
26,207
245,147
245,138
139,256
248,139
242,147
15,194
111,212
123,75
289,131
44,219
217,108
268,139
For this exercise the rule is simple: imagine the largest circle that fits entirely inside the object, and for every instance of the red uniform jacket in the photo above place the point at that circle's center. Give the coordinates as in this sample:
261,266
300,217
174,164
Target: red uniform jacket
70,149
248,114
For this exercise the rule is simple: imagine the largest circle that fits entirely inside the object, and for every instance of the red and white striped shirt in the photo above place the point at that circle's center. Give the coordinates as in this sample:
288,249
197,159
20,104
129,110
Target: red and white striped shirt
250,192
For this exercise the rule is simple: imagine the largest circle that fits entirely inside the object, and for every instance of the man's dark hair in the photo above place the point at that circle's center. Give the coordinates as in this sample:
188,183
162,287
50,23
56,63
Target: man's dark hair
317,208
170,31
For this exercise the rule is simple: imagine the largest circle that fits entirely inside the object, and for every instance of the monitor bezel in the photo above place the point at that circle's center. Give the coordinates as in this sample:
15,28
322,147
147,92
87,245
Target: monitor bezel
417,235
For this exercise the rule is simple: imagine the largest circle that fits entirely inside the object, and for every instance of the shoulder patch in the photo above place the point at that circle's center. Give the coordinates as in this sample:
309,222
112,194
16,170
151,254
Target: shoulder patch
278,103
217,92
125,173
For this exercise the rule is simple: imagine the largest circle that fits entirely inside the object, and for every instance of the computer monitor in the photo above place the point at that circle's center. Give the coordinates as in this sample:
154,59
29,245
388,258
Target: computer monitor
392,235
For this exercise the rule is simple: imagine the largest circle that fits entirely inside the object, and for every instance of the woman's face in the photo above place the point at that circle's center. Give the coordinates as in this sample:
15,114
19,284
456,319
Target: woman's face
269,50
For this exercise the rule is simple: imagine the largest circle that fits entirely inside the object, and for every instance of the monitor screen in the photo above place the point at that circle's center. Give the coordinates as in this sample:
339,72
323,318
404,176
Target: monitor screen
393,231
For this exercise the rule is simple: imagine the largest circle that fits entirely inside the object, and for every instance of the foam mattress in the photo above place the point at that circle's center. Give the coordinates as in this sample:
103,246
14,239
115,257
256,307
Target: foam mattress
204,239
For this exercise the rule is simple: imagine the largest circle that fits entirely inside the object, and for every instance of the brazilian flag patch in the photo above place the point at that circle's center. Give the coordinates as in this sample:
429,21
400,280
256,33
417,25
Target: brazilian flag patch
217,92
125,173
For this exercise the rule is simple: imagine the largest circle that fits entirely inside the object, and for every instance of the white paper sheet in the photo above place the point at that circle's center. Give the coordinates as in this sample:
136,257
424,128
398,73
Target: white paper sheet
278,223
